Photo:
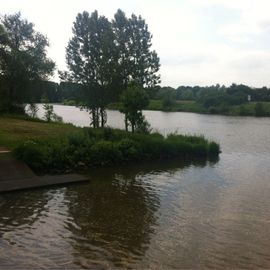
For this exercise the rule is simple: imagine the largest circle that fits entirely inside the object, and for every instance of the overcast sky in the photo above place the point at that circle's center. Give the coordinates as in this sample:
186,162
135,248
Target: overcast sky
199,42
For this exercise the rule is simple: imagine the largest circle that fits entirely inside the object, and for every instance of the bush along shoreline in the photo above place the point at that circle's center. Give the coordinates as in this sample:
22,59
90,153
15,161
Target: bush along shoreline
108,147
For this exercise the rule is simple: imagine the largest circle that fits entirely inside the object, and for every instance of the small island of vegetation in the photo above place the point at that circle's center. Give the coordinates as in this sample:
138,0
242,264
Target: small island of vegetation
58,147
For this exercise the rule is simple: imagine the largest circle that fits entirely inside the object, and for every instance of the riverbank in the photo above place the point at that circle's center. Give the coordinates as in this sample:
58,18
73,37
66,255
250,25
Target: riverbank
56,147
246,109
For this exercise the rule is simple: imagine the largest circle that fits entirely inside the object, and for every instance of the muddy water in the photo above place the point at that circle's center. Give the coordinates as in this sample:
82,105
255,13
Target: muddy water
157,215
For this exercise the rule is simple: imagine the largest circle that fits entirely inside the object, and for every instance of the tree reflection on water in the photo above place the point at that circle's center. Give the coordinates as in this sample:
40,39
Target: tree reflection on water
116,214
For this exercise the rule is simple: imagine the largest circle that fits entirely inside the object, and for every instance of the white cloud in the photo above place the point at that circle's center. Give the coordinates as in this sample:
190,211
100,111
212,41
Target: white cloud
194,48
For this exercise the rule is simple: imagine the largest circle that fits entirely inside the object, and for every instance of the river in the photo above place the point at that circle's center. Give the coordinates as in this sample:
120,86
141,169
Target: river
160,215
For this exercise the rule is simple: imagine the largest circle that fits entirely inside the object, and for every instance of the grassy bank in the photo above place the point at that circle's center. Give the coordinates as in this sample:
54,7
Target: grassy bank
17,129
249,109
51,147
246,109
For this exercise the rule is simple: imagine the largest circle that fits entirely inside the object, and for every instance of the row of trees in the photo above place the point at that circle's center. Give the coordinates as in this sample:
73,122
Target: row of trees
105,56
104,59
59,92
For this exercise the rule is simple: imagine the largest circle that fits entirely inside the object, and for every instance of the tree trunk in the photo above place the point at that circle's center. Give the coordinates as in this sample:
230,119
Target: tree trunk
126,123
97,118
93,123
103,117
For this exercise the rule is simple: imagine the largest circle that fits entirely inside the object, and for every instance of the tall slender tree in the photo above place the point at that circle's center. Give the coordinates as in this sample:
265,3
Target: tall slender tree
137,62
22,59
91,59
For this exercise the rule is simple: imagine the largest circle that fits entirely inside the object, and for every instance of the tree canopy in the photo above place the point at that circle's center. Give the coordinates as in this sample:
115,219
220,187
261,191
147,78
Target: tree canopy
136,61
134,100
22,59
105,56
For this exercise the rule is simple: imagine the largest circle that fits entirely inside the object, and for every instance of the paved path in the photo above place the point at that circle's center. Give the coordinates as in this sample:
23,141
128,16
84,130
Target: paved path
15,175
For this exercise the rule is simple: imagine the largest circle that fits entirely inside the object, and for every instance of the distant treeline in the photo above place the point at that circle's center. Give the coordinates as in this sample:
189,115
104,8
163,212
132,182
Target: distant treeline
207,95
234,94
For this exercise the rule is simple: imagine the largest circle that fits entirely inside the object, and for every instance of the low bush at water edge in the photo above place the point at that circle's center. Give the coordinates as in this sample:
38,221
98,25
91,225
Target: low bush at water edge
101,147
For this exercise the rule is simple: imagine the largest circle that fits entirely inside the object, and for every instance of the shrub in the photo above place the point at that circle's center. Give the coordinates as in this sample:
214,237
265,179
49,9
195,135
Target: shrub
259,109
104,152
99,147
129,149
243,110
200,149
168,101
33,154
213,149
32,110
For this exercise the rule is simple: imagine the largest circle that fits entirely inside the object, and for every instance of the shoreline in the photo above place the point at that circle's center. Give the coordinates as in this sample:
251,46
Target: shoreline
246,109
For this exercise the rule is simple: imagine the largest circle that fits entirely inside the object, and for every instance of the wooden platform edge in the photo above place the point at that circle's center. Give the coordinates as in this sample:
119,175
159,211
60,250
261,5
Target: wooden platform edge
40,182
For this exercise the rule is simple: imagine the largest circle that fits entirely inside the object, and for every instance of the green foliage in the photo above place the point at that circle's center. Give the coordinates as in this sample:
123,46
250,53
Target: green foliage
49,114
104,152
134,99
243,110
48,108
33,153
103,57
213,148
129,149
101,147
90,58
70,102
32,110
133,47
168,101
259,109
216,99
22,59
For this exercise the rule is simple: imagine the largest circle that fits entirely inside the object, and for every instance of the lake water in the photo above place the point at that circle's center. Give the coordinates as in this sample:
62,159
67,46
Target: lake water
155,215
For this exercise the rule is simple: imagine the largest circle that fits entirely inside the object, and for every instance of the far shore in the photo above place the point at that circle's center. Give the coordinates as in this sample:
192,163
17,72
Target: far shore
245,109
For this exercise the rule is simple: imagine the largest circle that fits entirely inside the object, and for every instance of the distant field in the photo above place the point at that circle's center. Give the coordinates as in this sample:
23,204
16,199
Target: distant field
247,109
179,106
156,105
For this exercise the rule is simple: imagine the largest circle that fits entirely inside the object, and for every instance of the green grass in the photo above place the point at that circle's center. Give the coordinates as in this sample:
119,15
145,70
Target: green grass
56,147
114,106
178,106
248,109
156,105
17,129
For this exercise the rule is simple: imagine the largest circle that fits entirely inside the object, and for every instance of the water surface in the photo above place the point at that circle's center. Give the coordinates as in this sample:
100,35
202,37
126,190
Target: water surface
171,214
